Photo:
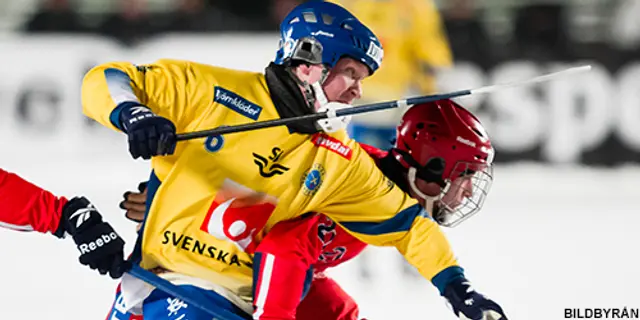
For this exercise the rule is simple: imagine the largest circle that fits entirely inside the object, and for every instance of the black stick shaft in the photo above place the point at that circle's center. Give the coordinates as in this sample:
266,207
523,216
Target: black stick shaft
317,116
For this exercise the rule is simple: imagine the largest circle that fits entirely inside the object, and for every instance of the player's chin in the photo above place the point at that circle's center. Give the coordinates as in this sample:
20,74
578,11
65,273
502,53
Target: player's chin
346,99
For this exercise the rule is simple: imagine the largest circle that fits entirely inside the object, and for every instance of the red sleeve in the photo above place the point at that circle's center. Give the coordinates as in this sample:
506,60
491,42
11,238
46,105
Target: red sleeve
283,267
27,207
374,152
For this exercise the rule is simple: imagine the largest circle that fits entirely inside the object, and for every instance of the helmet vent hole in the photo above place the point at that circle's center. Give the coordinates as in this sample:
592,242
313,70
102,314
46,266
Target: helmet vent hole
356,42
433,139
453,147
327,19
420,125
478,132
309,17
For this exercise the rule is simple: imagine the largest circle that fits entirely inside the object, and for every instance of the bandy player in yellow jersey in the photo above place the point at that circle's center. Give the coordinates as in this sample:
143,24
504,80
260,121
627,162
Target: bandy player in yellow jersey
212,200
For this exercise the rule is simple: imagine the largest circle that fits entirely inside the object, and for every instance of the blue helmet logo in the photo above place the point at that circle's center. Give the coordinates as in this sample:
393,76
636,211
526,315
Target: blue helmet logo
323,32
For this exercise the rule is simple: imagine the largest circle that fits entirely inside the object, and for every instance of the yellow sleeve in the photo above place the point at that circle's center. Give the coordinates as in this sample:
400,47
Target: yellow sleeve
167,87
418,238
427,248
378,212
429,43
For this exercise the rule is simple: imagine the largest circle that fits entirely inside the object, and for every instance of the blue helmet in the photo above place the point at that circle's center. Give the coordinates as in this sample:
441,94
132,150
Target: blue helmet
320,32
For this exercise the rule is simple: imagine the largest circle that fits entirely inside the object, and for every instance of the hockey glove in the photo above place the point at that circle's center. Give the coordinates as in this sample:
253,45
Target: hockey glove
468,304
100,246
149,135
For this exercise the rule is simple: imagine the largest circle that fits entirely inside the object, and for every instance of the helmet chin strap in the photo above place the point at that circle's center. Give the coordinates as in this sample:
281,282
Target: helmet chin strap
312,92
319,93
411,176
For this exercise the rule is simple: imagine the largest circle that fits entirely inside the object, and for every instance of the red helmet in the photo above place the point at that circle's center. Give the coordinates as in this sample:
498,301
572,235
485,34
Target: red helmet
444,143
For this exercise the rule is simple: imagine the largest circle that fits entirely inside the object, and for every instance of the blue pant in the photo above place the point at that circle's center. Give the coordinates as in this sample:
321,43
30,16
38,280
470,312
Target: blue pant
162,306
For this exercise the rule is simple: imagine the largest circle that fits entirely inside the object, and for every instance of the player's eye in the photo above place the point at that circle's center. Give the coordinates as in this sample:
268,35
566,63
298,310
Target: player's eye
353,74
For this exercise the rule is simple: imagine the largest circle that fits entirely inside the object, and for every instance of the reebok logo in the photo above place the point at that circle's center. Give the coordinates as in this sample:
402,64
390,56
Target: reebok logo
100,242
137,109
138,113
82,214
465,141
237,103
333,145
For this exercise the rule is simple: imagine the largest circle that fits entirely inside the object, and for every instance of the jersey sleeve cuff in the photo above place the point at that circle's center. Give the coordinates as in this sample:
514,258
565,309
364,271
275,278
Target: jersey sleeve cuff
114,117
446,276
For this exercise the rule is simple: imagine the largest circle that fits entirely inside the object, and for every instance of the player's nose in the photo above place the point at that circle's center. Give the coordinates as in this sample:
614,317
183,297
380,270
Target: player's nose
356,90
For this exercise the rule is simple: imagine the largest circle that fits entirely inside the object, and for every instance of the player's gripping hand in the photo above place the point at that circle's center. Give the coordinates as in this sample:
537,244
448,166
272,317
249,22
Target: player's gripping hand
100,246
468,304
149,134
134,203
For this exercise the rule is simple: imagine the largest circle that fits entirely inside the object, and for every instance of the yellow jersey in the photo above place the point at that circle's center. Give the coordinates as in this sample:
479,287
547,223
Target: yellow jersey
218,196
414,44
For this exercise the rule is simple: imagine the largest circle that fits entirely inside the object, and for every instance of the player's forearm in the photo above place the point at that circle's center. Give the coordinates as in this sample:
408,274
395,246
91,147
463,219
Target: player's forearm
107,89
27,207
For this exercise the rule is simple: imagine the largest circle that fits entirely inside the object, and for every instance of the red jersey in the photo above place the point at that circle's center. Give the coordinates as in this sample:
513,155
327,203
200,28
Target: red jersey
338,245
295,252
27,207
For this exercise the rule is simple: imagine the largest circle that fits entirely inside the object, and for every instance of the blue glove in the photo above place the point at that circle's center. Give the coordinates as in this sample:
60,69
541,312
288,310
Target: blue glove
149,135
469,304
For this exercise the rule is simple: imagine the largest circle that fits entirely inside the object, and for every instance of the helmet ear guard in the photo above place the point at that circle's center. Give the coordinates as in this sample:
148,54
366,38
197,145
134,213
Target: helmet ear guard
307,50
432,171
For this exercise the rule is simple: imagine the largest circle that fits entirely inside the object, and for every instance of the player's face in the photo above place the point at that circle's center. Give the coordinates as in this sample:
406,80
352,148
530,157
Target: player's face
344,81
460,189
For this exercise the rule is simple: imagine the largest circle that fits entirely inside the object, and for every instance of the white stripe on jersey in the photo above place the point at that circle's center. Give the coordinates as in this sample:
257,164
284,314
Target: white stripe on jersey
263,291
119,85
16,227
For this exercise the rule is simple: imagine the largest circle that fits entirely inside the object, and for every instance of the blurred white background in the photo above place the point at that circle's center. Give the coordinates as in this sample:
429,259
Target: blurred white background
558,229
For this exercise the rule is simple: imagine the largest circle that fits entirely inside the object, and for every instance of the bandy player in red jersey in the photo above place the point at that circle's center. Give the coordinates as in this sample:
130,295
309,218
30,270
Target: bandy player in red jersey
290,260
27,207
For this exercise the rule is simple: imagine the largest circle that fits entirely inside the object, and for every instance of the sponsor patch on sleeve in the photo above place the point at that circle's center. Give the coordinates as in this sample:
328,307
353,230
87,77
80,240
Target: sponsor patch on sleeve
333,144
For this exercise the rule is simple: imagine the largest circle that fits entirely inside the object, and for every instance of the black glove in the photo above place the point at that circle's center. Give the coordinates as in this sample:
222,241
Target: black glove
469,304
100,246
149,135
